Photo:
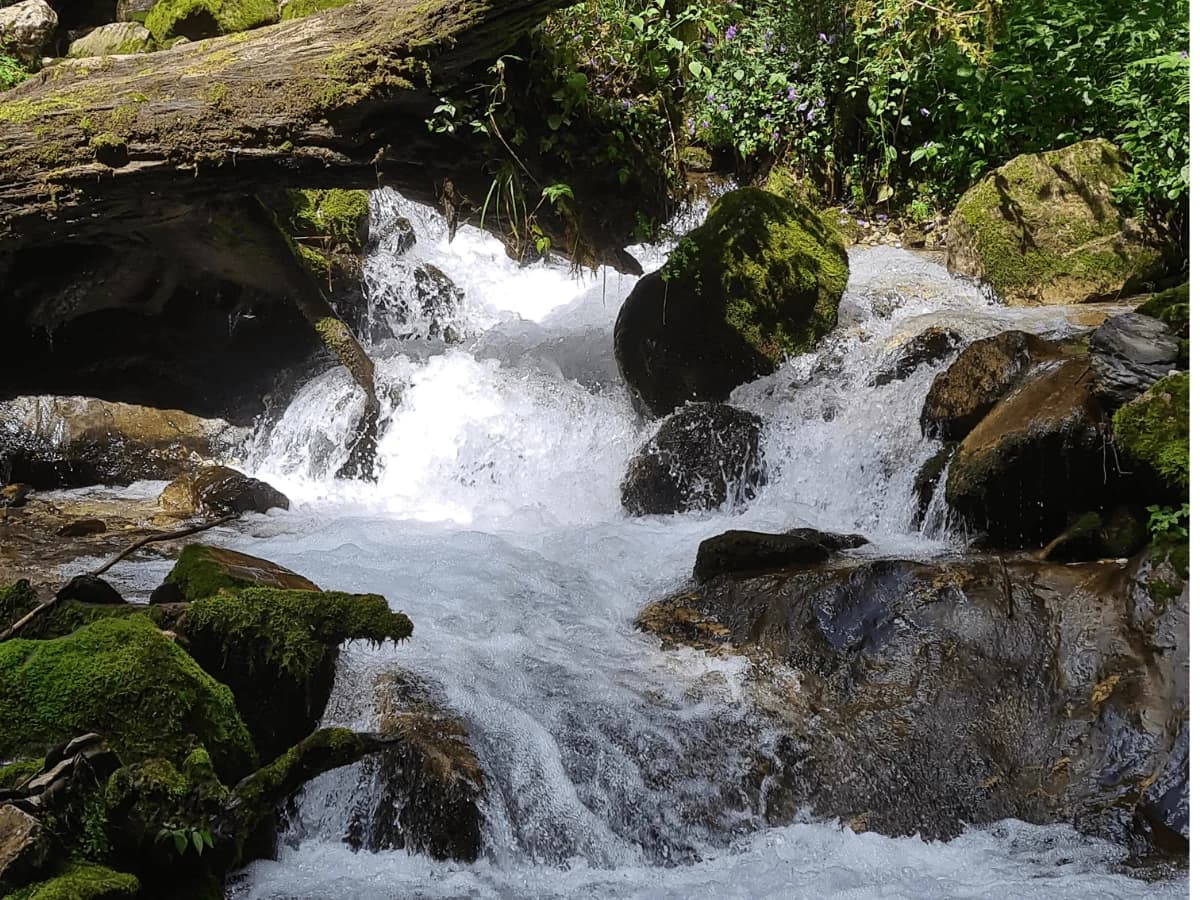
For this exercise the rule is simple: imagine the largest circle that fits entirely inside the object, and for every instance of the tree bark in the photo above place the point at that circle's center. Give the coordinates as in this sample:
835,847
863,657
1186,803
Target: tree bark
337,99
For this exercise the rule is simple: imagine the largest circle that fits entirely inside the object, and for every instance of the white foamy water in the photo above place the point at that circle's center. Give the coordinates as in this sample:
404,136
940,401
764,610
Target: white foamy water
614,769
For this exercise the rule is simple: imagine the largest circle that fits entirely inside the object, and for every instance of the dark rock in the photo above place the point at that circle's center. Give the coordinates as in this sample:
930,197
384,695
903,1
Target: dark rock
166,593
423,794
740,552
1034,459
397,239
984,372
219,490
421,304
705,455
928,478
927,697
1129,353
52,442
930,346
90,589
1118,534
82,528
25,847
13,496
760,280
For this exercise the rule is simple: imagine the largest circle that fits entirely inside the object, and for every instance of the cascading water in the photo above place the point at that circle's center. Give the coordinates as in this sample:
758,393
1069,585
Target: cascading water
614,769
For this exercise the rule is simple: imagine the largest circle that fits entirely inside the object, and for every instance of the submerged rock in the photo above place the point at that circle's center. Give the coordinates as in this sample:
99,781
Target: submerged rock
741,552
219,490
1035,459
1129,353
424,793
759,281
930,346
52,442
924,697
984,372
704,456
1044,229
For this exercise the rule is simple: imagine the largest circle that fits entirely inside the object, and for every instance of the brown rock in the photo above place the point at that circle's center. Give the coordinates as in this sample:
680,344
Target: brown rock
219,490
24,846
82,528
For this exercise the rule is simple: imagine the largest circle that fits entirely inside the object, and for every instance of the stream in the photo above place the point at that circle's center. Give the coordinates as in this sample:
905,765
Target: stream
612,766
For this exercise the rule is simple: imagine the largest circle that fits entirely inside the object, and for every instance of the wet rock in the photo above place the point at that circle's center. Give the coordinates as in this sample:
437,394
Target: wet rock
1151,436
82,528
928,478
704,456
25,847
929,696
760,280
1033,460
930,346
219,490
1129,353
984,372
53,442
743,552
26,29
397,238
201,571
1044,229
424,793
90,589
1116,535
13,496
114,39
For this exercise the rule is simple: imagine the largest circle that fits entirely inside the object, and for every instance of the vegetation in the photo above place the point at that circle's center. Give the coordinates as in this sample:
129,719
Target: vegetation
205,18
1153,430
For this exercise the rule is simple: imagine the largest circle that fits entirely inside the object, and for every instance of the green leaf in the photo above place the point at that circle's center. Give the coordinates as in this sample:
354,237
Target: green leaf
696,68
180,841
198,842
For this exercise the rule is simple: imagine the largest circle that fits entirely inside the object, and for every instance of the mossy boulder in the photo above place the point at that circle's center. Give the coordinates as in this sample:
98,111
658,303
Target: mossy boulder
15,601
197,19
758,282
1035,461
1152,431
278,649
121,677
1043,229
202,571
114,39
1172,306
220,490
81,881
298,9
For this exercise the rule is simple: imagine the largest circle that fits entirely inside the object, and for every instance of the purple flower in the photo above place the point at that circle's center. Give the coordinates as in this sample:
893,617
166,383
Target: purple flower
711,98
1183,54
730,32
924,111
775,135
821,102
882,217
791,94
767,117
861,222
625,104
802,105
821,37
809,117
704,123
723,107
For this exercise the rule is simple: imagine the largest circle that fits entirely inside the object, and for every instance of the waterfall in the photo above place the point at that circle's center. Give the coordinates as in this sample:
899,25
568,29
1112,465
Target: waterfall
614,769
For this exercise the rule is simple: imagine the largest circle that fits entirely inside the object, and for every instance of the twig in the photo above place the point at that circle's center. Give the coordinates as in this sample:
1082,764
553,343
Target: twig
150,539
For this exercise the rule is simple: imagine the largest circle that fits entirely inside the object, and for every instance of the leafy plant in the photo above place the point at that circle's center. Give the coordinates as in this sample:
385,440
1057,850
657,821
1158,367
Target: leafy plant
1168,523
185,837
12,72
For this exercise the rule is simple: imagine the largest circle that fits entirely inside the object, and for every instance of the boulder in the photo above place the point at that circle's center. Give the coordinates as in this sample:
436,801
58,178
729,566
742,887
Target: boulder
1129,353
90,589
929,347
984,372
134,10
25,847
219,491
52,442
198,19
1044,229
1151,432
202,571
26,29
759,281
745,552
422,304
114,39
704,456
82,528
1035,459
85,881
928,697
424,793
1119,534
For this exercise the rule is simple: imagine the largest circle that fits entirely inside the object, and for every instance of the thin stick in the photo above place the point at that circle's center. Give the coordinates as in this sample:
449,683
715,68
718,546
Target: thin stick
165,536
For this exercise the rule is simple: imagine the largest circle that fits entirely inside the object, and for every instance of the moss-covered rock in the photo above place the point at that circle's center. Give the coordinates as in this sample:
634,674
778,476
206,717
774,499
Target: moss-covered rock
196,19
15,601
18,771
202,571
1172,306
277,650
114,39
338,215
81,881
1153,430
124,679
1043,229
759,281
298,9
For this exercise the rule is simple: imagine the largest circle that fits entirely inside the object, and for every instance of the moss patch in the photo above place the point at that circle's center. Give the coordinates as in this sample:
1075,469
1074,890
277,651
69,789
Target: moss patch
298,9
122,678
293,630
336,214
15,601
207,18
1153,429
197,574
81,881
1172,307
16,772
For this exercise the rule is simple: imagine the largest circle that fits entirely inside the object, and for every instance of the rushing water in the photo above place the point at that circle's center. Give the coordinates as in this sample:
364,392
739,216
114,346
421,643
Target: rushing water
612,766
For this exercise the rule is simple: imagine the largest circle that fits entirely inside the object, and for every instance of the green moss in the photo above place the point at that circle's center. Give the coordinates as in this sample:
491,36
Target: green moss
16,772
122,678
81,881
198,575
293,630
335,214
298,9
15,601
775,267
1153,429
171,18
1172,307
72,615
